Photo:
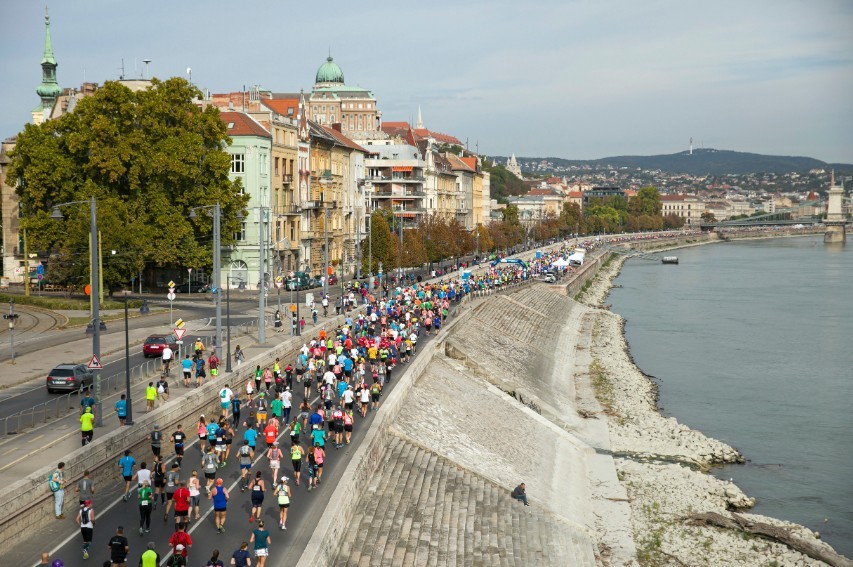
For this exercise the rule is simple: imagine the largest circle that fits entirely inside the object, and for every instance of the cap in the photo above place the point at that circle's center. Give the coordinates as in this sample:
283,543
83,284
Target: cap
275,443
87,503
156,426
151,545
284,479
88,409
179,547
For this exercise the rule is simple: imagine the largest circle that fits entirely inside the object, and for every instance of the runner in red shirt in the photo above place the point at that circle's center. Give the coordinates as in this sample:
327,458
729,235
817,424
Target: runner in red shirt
181,541
181,499
270,433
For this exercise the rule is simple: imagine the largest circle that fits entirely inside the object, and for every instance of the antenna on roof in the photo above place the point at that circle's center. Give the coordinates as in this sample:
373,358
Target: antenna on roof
691,145
121,77
190,73
145,71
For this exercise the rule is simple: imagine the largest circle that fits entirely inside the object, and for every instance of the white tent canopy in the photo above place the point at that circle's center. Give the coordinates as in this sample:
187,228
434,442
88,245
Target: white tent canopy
560,263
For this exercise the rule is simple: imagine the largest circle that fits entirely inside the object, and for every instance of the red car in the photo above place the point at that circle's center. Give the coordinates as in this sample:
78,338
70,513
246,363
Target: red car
154,345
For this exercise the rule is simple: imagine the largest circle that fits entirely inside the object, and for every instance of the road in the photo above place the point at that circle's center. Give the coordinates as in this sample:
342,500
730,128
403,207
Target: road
287,545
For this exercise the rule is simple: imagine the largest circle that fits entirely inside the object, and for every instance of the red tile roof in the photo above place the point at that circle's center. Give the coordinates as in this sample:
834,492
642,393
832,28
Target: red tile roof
457,164
283,106
343,140
575,194
471,161
240,124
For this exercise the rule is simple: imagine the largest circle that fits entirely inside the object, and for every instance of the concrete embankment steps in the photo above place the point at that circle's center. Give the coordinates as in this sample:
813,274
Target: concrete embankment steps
425,510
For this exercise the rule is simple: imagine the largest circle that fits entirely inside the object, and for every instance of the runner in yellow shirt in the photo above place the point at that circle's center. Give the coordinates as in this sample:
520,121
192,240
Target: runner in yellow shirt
87,420
150,397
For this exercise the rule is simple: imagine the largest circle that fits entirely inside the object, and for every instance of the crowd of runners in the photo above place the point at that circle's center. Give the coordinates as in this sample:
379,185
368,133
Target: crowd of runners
280,427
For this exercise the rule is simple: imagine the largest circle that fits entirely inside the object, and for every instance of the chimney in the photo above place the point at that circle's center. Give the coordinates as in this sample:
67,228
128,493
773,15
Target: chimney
337,126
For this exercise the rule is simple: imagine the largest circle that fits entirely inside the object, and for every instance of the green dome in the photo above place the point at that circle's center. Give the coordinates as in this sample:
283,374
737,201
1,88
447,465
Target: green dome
329,72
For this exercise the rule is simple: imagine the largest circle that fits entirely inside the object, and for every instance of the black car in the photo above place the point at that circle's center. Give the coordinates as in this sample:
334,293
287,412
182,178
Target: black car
69,377
195,287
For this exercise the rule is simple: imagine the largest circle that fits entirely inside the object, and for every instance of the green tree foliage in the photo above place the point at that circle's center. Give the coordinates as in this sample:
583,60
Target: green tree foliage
147,157
503,183
572,219
646,202
384,245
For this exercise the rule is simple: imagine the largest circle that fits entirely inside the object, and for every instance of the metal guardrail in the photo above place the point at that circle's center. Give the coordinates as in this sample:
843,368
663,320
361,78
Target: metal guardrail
62,406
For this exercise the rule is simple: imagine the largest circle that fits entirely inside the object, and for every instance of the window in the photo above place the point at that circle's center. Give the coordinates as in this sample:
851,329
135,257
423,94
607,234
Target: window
276,167
241,234
238,163
360,106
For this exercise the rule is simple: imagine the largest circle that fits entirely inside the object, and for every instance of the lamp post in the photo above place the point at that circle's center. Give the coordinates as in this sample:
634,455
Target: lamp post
217,268
95,294
228,325
129,419
262,320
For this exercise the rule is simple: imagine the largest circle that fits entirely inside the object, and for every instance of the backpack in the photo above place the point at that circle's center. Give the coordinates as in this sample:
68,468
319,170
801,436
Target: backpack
84,516
245,451
54,486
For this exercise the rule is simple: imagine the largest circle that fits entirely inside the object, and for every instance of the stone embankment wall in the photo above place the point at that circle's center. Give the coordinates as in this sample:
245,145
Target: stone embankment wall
28,504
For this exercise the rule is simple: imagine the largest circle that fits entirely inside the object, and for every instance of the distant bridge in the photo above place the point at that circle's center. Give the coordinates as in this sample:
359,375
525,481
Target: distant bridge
780,217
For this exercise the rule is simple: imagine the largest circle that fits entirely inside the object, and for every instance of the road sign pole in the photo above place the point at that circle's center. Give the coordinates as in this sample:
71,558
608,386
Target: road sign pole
12,329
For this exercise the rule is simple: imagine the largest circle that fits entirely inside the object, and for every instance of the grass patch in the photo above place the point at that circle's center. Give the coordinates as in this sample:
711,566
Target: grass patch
649,550
601,384
65,304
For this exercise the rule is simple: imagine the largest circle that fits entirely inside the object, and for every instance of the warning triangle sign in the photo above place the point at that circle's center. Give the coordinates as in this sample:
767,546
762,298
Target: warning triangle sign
179,333
95,364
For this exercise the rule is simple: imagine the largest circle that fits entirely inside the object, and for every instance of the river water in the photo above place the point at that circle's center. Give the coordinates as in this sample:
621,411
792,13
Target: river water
751,342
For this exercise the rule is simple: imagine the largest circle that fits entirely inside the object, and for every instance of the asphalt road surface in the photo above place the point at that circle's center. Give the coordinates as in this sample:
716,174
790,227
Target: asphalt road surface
304,513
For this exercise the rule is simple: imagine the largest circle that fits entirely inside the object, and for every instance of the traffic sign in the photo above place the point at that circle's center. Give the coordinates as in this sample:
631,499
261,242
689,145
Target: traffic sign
41,277
179,333
171,285
95,364
40,269
278,279
88,289
179,323
170,296
171,290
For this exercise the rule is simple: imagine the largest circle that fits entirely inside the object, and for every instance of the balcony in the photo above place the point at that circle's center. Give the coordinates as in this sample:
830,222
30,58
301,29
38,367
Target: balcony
310,205
322,174
286,244
398,195
288,210
287,179
306,234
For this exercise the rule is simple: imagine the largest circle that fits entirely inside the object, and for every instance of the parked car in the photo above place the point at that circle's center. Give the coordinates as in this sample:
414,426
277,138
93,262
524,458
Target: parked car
195,287
154,345
69,377
333,279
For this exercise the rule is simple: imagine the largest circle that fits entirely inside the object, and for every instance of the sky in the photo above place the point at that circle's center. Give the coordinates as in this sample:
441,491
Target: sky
577,79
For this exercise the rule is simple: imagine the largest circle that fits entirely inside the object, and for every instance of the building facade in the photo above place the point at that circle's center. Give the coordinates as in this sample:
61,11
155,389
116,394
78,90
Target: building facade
332,101
689,208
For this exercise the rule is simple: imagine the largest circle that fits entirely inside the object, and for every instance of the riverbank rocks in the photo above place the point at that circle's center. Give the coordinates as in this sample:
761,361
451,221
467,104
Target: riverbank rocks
663,465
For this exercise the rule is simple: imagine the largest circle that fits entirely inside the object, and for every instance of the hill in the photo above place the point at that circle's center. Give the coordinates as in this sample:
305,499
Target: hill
706,161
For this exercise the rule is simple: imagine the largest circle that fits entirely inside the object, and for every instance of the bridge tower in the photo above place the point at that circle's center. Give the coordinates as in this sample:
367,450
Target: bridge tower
835,220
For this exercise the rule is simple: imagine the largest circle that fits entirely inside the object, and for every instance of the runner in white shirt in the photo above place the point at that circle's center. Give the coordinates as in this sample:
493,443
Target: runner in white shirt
225,396
333,359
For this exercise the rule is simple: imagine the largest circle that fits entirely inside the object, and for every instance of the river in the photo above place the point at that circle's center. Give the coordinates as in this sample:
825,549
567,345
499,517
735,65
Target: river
751,342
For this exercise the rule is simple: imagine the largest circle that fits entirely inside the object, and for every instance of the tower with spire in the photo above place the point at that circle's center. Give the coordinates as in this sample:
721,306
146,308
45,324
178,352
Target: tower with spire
513,167
49,88
420,123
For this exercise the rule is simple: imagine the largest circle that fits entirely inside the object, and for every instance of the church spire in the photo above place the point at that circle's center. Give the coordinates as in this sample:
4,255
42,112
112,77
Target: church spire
49,89
420,123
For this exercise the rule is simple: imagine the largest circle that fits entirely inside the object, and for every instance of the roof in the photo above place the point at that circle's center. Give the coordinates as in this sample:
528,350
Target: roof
471,161
457,164
240,124
677,197
282,106
343,140
329,72
575,194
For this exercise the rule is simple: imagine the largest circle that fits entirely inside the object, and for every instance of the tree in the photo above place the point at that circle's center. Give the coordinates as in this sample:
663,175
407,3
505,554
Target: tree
147,157
672,221
708,216
384,245
503,183
571,218
646,202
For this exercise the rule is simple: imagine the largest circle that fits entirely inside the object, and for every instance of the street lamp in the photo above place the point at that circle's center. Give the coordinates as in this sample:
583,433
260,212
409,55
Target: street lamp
95,295
216,212
129,419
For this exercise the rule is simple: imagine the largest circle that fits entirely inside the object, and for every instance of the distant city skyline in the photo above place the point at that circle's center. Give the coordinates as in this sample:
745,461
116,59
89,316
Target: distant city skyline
570,79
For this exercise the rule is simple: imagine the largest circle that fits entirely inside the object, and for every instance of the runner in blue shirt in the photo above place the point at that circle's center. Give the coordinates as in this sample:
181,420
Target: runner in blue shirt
187,366
126,465
121,409
251,435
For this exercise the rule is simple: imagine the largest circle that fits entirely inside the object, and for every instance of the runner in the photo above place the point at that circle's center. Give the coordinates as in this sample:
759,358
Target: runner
126,464
156,440
209,464
225,397
119,548
182,499
87,421
270,433
261,414
338,423
261,539
282,491
375,393
219,496
258,375
86,520
295,429
121,409
200,374
348,420
245,456
194,486
250,390
201,427
178,439
257,496
229,439
364,398
85,487
150,558
274,455
213,364
236,404
241,557
146,504
181,542
87,401
214,560
173,479
319,459
296,454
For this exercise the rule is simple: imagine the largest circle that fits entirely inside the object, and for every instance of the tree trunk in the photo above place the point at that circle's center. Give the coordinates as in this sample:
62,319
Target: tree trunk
775,533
